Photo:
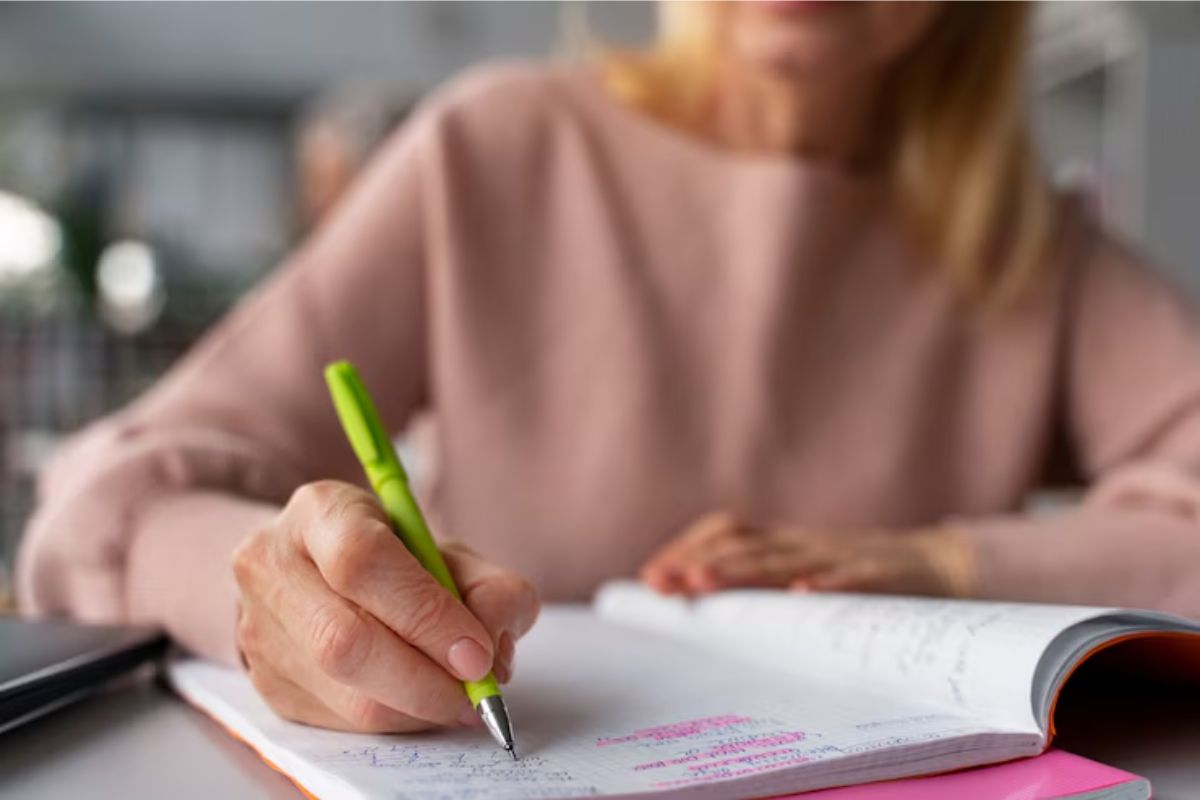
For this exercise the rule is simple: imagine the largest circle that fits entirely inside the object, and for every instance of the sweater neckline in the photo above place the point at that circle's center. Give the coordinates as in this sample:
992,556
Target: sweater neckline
673,142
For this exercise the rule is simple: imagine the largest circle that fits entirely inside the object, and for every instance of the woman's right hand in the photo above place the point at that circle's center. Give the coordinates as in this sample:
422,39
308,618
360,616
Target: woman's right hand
341,627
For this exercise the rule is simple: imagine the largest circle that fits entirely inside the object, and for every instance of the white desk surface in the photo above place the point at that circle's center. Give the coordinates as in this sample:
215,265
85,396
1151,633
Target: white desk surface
143,742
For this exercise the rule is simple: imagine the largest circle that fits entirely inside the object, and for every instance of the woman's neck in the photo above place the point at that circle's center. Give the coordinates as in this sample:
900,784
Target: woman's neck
755,111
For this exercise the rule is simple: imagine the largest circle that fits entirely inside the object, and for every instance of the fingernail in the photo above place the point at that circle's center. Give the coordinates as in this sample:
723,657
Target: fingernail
470,718
468,659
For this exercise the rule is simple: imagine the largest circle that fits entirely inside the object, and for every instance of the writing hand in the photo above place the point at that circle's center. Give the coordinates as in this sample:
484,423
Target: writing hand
341,627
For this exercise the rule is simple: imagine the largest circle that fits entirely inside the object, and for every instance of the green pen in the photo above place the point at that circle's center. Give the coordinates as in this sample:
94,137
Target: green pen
374,449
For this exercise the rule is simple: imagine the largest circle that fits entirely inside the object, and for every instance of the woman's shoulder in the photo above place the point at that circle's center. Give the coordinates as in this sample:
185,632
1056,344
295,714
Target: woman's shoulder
501,100
1116,288
1106,261
497,84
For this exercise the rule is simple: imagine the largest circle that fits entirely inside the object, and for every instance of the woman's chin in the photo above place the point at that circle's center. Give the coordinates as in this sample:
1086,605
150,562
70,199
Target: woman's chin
795,8
793,54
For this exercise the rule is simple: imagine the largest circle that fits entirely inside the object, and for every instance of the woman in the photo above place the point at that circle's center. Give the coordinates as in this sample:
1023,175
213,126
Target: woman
796,265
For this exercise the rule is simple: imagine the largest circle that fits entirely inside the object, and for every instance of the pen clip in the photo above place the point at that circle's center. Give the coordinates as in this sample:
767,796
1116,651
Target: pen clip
361,422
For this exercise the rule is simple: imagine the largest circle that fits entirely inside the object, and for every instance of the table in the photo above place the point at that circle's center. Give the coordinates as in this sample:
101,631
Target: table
137,742
143,742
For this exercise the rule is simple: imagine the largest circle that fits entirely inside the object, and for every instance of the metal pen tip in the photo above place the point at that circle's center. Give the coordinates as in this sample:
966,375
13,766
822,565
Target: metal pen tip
495,719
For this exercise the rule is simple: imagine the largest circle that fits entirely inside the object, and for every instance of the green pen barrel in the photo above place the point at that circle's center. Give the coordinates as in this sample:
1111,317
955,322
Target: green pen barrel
404,515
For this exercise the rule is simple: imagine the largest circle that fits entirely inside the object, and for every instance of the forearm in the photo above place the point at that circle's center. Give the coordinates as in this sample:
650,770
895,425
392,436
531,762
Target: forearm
120,517
1094,556
178,571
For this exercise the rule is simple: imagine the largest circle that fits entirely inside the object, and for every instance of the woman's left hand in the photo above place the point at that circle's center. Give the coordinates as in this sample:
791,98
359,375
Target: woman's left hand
717,552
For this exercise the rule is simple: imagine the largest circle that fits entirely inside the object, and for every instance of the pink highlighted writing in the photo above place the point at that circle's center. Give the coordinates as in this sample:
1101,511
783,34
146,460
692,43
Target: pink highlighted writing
726,749
677,730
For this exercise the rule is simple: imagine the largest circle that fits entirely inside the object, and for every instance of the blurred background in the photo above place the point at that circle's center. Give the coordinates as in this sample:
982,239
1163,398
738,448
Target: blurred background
156,160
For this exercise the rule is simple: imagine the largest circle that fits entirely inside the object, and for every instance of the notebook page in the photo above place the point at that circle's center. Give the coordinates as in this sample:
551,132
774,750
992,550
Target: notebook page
600,709
978,658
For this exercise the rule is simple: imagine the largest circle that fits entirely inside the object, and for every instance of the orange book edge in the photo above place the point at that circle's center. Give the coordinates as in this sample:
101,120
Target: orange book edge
238,737
1187,649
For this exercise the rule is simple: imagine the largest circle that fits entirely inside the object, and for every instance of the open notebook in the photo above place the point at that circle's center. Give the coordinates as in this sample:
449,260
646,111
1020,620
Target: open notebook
743,694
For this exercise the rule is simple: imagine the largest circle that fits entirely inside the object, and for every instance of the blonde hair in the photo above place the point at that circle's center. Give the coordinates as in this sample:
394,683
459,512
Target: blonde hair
961,164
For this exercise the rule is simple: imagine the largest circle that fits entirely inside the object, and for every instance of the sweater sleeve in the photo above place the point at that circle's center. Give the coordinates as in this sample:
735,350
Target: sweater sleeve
1131,391
136,515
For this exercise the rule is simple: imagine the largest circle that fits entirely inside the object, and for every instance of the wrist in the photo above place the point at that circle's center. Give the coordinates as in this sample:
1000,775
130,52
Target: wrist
950,553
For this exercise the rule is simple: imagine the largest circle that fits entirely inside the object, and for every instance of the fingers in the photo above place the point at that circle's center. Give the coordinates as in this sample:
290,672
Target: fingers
774,559
920,563
341,626
758,567
716,552
504,602
363,561
668,569
862,575
296,690
499,598
351,648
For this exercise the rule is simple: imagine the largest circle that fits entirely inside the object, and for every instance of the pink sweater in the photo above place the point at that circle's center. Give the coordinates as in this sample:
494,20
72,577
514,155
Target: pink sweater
618,328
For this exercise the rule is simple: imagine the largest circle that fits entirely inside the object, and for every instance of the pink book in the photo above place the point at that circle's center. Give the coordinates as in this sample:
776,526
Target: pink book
1054,775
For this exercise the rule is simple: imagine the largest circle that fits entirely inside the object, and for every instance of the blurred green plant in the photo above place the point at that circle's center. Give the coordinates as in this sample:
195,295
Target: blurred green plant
81,211
6,149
